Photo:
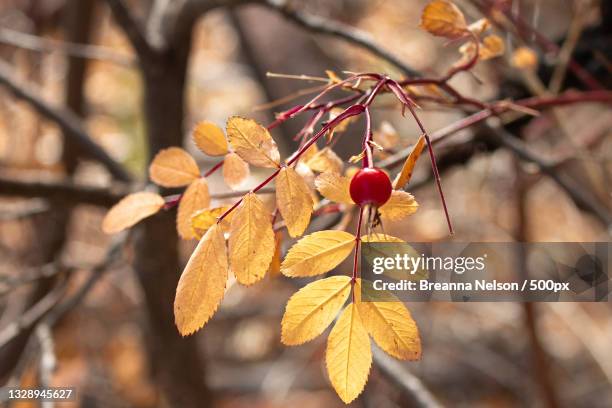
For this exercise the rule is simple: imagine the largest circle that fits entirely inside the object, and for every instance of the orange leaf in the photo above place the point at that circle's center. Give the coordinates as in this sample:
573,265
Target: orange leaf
131,209
235,170
202,283
252,142
404,176
195,198
210,139
173,167
443,19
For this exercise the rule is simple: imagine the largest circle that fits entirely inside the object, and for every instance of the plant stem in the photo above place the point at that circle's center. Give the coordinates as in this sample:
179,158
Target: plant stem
213,169
356,254
368,161
434,166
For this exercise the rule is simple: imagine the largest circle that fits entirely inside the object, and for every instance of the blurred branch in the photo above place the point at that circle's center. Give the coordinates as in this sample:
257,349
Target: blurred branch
81,194
131,28
69,123
581,197
50,308
64,191
332,28
25,210
407,382
41,44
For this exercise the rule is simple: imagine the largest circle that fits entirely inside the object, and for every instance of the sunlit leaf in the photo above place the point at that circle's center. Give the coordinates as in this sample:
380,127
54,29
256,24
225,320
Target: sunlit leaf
131,209
274,269
325,160
349,355
251,241
334,187
235,170
252,142
210,139
202,220
195,198
173,167
202,283
294,201
391,326
311,309
317,253
442,18
400,205
406,173
492,46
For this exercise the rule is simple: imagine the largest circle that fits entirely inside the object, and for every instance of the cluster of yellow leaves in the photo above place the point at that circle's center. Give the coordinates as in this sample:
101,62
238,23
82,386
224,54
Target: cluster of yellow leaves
244,242
312,309
443,18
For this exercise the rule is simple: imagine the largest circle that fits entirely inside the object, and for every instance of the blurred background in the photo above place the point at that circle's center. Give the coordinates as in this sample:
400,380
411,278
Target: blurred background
82,309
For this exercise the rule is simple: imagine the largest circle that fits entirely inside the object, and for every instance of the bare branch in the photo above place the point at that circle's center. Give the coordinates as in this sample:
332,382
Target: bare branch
41,44
333,28
410,384
69,191
131,28
581,197
70,124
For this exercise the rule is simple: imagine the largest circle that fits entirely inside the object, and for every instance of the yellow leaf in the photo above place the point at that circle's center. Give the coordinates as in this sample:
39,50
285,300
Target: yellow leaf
334,187
202,283
251,241
492,46
524,58
173,167
443,19
210,139
274,269
235,170
400,205
202,220
306,173
348,356
309,153
391,326
294,201
252,142
404,176
131,209
195,198
325,160
311,309
317,253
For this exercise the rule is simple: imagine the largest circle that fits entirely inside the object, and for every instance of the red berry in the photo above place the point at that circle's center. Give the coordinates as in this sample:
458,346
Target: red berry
370,185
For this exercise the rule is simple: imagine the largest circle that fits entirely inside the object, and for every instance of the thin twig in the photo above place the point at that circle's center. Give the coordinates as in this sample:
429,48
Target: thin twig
335,29
41,44
131,28
69,123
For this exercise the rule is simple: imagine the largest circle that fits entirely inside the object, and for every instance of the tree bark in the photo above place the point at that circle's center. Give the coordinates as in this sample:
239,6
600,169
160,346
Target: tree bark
176,363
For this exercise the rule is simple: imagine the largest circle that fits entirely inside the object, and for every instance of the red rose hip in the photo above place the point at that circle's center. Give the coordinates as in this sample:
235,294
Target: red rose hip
370,185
